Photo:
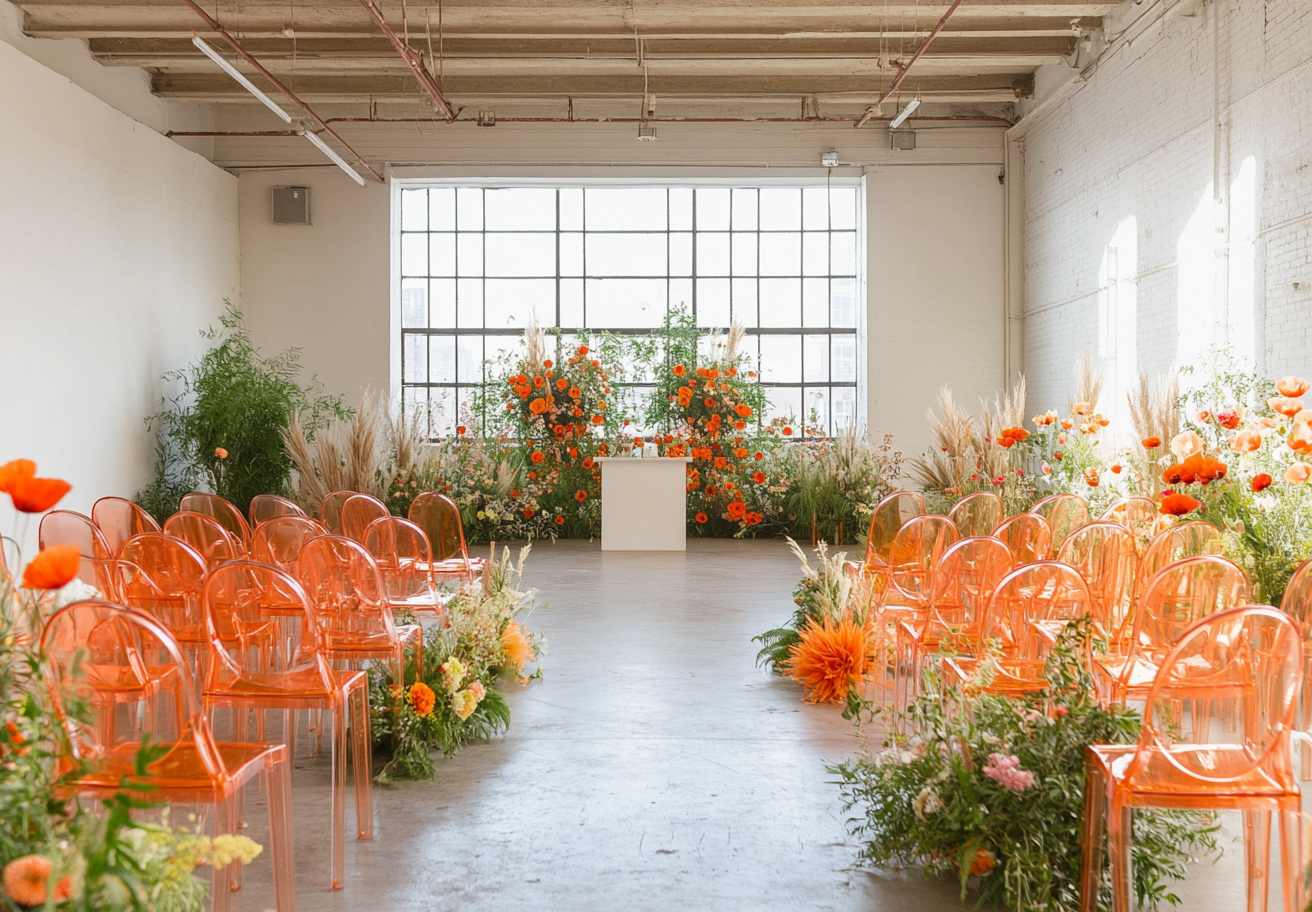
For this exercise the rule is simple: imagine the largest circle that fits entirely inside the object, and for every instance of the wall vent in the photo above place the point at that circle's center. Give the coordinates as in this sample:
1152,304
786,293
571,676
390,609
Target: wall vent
291,205
904,140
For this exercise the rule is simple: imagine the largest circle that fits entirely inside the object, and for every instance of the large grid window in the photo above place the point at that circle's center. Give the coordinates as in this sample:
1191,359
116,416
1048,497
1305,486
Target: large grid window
478,264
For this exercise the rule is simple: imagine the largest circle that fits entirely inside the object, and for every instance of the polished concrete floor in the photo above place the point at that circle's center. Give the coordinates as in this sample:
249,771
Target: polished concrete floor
653,768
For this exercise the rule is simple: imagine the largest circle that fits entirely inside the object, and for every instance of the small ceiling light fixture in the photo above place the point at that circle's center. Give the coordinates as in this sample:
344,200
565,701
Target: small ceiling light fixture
246,83
327,150
906,112
646,131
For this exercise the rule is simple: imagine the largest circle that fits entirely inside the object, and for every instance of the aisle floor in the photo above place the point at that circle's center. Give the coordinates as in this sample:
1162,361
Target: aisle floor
654,767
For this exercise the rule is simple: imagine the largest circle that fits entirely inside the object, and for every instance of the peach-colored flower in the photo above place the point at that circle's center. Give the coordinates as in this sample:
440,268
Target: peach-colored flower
1204,416
1246,441
1285,405
1292,386
1186,444
27,879
1298,473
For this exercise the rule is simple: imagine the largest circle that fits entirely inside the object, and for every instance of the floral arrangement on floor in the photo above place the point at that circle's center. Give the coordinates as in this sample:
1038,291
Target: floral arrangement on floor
54,852
457,701
990,789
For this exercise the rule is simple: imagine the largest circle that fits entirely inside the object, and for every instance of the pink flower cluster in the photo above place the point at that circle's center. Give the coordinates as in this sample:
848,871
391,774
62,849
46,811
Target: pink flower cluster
1006,770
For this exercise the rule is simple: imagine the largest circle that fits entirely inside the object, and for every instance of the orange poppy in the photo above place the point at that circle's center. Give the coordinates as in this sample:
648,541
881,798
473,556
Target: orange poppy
680,370
547,363
14,471
560,520
701,517
528,513
737,510
788,432
758,477
710,490
588,463
1006,443
580,496
721,462
583,349
575,392
537,457
514,494
744,410
752,518
36,495
597,419
1151,443
983,862
223,454
1175,504
758,456
708,402
1298,472
538,382
537,406
52,568
1246,441
1293,387
1116,469
1228,419
1285,405
1261,482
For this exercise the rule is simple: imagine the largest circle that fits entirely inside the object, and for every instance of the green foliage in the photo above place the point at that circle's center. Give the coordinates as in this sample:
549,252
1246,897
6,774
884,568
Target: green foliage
824,590
925,800
237,401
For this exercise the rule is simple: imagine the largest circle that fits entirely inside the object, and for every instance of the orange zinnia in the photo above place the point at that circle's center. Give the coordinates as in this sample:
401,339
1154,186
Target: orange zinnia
53,568
1174,504
517,646
828,659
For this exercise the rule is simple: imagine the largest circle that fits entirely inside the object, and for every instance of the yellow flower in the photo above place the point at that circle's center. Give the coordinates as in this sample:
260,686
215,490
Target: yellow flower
453,674
464,703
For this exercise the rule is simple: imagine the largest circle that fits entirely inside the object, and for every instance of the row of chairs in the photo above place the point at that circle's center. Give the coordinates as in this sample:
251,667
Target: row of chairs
273,615
1176,631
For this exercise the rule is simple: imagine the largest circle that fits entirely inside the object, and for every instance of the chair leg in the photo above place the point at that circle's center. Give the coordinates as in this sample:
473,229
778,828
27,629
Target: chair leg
1119,836
280,832
364,814
1257,857
1291,859
1095,829
339,794
222,886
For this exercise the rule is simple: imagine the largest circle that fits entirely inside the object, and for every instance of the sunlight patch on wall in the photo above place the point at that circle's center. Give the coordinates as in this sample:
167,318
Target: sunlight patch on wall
1118,307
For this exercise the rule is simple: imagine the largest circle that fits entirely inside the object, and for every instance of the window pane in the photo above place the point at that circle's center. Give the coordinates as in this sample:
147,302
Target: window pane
744,209
441,359
781,302
571,303
744,254
712,209
744,301
498,348
414,254
442,411
626,254
713,254
513,303
442,303
681,293
441,254
520,209
571,254
521,255
713,302
571,209
815,253
842,303
680,208
815,302
781,209
815,408
785,402
843,258
625,303
815,359
441,209
844,350
781,254
844,408
781,359
469,359
469,209
681,254
414,358
469,254
469,303
626,209
842,207
815,209
414,210
414,303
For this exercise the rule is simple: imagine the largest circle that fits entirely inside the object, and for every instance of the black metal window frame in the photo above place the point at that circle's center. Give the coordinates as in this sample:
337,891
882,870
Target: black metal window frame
410,385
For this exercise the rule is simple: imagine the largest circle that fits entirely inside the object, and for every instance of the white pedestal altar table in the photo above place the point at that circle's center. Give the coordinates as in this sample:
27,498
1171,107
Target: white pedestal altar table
644,503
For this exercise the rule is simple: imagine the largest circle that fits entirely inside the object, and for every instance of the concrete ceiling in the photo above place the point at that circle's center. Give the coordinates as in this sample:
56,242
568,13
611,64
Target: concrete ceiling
504,53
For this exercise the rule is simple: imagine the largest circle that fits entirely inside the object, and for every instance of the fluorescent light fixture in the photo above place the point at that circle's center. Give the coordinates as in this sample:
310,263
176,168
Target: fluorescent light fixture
235,74
906,112
337,159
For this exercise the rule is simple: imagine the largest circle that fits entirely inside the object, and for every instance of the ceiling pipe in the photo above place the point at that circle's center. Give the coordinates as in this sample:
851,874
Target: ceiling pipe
902,70
411,58
277,84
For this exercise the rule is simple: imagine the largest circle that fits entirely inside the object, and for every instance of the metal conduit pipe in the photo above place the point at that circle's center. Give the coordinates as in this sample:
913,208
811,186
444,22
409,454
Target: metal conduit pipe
902,70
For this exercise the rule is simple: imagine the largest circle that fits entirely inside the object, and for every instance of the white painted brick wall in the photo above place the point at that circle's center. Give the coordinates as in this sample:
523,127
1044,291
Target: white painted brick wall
1136,141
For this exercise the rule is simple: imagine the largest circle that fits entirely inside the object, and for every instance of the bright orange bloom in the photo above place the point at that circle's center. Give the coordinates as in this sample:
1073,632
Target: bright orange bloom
1246,441
562,383
1006,443
983,862
422,698
588,463
788,432
547,363
537,406
580,496
1151,443
36,495
1228,419
575,392
1285,405
52,568
758,477
560,520
701,517
221,452
752,518
1174,504
829,658
11,472
538,382
517,647
680,370
1261,482
1116,469
744,410
721,462
27,879
1067,425
597,419
583,349
708,402
528,512
514,494
737,510
1293,387
537,457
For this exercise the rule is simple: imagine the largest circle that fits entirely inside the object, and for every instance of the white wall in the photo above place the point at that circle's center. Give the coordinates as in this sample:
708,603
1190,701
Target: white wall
116,247
326,287
1125,163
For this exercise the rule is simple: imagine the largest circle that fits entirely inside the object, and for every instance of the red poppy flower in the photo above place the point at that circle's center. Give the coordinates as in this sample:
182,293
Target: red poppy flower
1174,504
537,457
14,471
547,363
560,520
1261,482
580,496
514,493
701,517
460,429
737,510
1151,443
752,518
528,512
36,495
680,370
758,477
52,568
788,432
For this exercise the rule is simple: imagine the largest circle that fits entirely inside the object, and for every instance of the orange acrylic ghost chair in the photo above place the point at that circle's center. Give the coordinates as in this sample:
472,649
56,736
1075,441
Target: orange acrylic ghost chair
916,550
1297,604
118,519
330,511
1104,553
889,515
1180,594
1175,543
977,514
1138,514
1028,610
963,582
358,512
400,549
1027,536
439,517
1249,657
1064,512
265,507
278,541
242,675
351,609
207,535
194,769
64,527
164,576
223,511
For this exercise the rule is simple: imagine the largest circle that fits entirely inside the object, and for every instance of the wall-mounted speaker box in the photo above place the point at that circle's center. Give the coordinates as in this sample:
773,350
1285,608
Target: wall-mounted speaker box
291,205
904,140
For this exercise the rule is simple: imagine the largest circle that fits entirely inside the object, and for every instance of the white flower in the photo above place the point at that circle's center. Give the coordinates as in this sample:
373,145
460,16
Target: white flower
927,802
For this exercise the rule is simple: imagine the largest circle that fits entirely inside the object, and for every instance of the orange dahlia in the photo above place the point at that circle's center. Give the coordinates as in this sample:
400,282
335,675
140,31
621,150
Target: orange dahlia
829,658
517,646
422,698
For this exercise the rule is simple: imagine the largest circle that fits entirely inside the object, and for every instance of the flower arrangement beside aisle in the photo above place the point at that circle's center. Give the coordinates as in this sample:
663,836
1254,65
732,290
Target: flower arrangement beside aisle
458,700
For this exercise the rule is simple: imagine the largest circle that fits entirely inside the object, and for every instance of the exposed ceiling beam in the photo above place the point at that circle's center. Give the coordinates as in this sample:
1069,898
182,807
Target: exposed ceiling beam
412,61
